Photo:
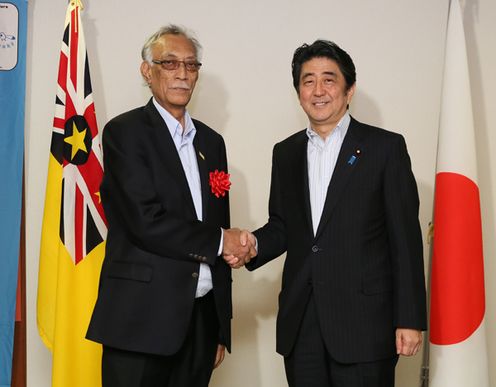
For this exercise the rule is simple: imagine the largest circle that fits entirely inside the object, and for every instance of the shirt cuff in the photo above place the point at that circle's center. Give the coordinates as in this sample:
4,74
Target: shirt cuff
219,253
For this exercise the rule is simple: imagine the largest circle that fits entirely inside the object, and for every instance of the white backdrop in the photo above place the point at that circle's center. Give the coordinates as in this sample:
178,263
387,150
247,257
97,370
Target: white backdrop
245,92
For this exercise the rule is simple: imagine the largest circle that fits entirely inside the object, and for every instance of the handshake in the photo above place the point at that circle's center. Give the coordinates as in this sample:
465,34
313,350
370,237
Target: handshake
239,247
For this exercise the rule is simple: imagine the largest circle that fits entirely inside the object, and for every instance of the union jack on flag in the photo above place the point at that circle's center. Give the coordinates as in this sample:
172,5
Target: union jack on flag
74,226
76,146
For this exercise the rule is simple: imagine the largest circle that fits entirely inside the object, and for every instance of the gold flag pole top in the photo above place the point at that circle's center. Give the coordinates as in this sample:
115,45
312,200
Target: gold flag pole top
77,3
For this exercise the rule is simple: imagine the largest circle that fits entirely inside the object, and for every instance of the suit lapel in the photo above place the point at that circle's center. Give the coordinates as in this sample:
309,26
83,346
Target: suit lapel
170,153
348,159
301,177
201,154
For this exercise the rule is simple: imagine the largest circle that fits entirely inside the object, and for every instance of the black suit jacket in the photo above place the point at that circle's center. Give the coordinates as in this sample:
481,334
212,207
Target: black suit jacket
155,243
364,266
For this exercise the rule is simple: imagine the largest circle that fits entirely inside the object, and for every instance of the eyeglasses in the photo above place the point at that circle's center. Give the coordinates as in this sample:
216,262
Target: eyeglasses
173,64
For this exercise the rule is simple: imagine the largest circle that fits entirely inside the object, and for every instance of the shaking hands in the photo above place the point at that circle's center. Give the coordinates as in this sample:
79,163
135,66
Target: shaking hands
239,247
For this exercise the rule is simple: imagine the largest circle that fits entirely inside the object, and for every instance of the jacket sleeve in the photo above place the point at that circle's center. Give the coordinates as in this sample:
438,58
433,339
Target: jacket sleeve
272,237
402,210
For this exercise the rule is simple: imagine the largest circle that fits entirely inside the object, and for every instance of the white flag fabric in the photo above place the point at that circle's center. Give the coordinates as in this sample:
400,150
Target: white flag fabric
458,354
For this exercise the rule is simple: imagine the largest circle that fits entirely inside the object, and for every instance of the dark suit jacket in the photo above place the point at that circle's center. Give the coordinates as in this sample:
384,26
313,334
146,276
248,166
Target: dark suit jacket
364,266
155,243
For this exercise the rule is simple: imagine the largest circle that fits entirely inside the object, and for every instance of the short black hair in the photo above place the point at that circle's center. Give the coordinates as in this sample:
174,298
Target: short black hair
323,49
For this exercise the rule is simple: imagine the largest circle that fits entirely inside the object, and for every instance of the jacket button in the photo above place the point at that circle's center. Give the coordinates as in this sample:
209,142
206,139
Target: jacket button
315,248
194,275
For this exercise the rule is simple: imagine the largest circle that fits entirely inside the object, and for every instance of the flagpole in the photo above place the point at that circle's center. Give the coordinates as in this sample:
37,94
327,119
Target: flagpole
424,371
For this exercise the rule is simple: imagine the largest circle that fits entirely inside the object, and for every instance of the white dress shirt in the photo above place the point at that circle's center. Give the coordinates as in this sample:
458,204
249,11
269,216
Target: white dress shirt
322,156
183,139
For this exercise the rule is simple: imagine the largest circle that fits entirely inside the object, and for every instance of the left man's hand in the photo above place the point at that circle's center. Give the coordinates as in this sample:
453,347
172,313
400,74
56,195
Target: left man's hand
239,247
219,357
408,341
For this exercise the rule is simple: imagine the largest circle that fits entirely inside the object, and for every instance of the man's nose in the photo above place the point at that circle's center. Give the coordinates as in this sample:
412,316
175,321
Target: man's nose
181,71
319,89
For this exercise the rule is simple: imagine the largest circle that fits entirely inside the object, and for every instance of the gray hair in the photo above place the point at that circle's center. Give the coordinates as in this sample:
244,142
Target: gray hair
171,29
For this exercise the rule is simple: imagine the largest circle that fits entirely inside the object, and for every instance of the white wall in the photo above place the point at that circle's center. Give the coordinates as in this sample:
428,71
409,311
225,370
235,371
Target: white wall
245,93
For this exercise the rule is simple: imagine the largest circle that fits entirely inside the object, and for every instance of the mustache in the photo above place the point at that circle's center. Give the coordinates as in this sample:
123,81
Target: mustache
181,85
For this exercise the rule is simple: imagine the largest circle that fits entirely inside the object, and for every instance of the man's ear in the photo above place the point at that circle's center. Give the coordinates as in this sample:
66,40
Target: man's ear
350,93
146,72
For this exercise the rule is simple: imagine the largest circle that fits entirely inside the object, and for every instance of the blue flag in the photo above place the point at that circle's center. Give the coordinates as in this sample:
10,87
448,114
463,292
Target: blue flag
13,20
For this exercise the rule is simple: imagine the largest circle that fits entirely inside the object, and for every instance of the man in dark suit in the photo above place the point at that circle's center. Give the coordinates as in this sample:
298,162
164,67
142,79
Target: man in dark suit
344,205
164,303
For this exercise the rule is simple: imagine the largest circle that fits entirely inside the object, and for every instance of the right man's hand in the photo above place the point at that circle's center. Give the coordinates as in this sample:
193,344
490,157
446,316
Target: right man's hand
408,341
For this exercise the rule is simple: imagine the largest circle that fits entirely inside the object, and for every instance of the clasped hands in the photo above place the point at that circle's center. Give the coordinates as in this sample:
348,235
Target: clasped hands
239,247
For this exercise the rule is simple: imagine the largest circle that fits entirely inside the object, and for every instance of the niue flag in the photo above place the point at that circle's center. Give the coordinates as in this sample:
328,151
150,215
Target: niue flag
74,226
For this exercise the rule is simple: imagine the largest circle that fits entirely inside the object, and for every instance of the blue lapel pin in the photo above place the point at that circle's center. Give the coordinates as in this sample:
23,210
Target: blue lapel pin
353,158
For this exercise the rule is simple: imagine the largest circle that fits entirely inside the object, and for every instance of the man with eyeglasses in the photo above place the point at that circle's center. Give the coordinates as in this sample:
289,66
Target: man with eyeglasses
164,303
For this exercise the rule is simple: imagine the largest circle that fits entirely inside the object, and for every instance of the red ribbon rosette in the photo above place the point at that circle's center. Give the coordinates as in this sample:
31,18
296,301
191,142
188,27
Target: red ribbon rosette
219,183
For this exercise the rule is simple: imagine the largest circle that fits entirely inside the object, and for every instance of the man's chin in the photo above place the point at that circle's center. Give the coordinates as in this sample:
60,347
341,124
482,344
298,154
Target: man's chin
180,100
